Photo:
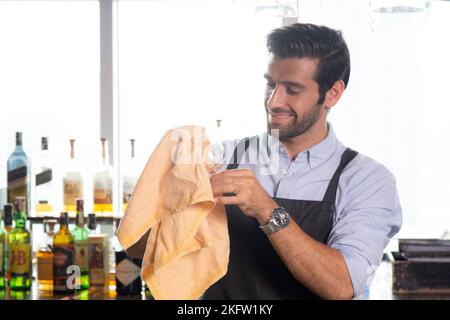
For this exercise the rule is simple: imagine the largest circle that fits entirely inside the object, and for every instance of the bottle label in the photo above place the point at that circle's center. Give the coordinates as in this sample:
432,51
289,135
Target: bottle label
63,258
81,254
20,258
45,266
17,183
97,276
103,191
44,207
44,177
2,257
127,272
73,189
98,270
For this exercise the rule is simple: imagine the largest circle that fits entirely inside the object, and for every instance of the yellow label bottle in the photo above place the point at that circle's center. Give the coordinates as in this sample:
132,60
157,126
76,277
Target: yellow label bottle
20,250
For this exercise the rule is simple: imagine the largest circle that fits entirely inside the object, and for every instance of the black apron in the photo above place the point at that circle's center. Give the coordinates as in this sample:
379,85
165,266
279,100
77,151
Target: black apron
255,271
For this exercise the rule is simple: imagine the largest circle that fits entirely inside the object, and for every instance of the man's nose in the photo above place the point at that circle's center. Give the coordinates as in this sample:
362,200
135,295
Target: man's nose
276,99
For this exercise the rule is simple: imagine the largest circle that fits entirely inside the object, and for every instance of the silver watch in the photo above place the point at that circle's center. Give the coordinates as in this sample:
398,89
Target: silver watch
279,219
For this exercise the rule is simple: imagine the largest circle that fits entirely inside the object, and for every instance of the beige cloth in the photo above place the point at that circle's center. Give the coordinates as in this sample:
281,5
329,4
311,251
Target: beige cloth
188,247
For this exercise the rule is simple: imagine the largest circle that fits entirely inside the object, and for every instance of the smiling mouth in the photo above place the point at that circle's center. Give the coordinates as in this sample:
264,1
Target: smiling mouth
280,115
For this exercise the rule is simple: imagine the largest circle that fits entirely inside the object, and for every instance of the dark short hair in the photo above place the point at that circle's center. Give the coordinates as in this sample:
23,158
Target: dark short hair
304,40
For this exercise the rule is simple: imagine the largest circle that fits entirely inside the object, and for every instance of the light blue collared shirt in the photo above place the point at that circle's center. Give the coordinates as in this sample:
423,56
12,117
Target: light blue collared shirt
368,212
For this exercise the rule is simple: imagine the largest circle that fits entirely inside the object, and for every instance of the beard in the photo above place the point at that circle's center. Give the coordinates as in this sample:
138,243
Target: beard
295,127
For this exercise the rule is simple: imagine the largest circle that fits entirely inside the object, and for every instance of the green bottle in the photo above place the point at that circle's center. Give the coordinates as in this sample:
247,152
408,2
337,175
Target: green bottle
80,234
20,249
2,257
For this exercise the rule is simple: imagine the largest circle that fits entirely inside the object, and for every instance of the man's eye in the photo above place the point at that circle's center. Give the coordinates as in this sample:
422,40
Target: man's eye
292,91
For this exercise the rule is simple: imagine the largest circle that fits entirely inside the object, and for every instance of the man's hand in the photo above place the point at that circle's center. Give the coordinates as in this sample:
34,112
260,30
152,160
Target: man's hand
249,195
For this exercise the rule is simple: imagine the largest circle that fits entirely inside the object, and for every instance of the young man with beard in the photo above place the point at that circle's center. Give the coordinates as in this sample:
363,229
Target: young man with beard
316,226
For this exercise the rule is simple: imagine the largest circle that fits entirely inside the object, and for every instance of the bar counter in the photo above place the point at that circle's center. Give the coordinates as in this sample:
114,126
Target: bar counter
380,289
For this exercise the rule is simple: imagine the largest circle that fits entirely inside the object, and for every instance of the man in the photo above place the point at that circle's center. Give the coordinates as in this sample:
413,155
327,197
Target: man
316,227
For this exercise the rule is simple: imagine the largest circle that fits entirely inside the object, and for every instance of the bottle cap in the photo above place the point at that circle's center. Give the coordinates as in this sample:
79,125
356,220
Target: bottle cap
44,143
8,210
20,203
18,138
63,218
80,213
92,223
80,205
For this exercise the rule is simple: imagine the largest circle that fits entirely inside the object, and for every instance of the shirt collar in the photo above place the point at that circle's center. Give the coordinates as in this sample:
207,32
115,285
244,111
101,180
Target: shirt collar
316,155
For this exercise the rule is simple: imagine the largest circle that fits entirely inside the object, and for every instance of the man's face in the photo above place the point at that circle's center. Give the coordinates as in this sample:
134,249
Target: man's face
291,96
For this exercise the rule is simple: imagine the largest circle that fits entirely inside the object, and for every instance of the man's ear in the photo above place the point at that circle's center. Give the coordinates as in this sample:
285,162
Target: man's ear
334,94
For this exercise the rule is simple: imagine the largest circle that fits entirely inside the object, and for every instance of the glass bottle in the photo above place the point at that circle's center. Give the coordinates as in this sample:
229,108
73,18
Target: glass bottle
72,182
20,249
103,184
130,176
81,234
45,256
64,257
8,219
44,182
19,176
127,270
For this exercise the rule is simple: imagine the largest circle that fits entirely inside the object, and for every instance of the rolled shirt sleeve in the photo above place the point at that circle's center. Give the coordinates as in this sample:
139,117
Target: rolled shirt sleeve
369,216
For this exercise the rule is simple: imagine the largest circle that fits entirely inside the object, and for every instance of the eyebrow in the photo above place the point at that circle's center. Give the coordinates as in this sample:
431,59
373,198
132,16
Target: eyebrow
289,83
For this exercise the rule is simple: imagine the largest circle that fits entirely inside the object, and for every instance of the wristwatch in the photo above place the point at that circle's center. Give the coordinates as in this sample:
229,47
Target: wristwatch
279,219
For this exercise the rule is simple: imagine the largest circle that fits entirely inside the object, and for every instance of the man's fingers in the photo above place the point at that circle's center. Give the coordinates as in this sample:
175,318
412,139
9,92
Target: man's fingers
229,177
232,173
220,189
216,180
227,200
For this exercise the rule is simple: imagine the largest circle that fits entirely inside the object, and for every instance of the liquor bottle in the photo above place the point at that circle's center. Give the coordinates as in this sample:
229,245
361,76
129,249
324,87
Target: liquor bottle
98,260
8,218
20,249
19,177
44,182
128,274
81,234
45,256
127,270
113,246
2,256
98,254
130,177
72,182
64,258
103,184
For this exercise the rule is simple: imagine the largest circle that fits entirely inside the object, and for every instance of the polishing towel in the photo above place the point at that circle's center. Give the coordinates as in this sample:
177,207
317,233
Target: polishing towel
188,247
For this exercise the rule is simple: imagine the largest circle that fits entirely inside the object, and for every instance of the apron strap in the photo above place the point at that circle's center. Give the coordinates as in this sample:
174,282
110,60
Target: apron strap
239,151
330,194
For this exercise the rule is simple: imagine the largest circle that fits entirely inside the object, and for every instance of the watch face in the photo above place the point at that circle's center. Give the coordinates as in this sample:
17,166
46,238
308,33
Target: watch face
281,218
